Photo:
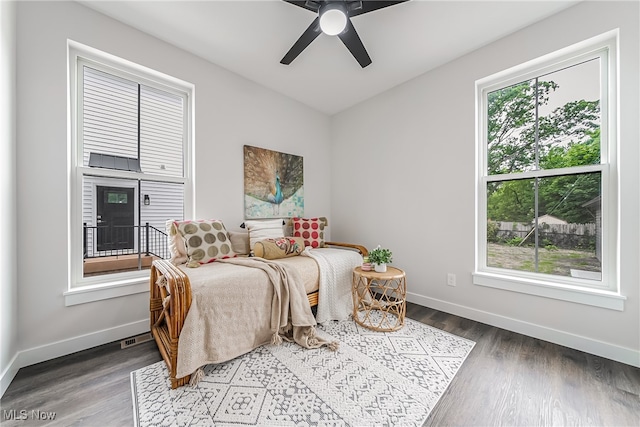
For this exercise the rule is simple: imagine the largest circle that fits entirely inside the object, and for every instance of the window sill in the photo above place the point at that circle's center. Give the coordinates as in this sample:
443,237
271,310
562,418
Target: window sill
593,297
85,294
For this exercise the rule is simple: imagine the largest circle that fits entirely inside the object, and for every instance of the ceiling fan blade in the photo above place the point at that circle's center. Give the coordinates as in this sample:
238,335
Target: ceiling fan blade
305,40
370,6
352,41
309,5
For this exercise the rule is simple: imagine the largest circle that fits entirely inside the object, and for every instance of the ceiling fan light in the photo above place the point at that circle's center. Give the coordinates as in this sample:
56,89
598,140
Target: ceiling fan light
333,22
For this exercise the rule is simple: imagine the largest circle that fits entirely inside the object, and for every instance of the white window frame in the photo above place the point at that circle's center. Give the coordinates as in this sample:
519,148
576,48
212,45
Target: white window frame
605,293
86,289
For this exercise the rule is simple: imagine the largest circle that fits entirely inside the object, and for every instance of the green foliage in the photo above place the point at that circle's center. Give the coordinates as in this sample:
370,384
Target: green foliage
575,154
492,231
511,201
573,122
380,256
510,129
515,241
569,136
565,196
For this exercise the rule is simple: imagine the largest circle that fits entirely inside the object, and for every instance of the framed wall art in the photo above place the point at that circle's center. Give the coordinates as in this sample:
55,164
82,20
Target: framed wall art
273,184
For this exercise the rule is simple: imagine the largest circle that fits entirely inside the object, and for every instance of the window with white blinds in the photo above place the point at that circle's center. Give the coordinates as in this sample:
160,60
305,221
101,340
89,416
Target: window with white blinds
131,139
125,118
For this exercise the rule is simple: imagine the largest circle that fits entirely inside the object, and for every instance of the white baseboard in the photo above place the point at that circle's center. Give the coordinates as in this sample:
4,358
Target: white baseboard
9,374
71,345
588,345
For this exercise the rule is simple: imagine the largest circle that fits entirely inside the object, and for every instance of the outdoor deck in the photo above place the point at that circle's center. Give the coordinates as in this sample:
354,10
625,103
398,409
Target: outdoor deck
116,264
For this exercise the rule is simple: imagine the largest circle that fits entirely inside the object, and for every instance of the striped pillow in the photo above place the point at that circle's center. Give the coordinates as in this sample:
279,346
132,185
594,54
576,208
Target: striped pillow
261,229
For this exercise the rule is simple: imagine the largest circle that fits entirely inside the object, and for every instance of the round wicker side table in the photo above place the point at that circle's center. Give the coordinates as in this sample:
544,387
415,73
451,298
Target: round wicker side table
379,299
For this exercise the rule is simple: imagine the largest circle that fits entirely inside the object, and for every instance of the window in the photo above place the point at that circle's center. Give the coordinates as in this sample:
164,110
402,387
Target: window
130,167
546,168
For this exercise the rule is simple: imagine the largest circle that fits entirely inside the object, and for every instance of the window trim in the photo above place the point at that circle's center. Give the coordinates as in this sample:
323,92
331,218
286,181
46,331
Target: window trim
81,289
602,294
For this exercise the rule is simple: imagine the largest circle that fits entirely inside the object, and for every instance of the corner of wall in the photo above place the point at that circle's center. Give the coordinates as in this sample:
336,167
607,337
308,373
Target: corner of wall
8,374
8,215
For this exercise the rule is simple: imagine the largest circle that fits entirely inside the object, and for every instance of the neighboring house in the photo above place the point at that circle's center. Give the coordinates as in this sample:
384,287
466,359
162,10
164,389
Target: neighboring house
132,205
129,128
550,219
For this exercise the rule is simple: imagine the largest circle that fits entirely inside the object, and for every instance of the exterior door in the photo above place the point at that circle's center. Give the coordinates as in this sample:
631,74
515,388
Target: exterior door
115,218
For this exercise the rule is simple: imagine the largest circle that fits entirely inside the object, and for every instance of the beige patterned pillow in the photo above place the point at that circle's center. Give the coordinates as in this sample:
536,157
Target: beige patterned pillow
205,240
282,247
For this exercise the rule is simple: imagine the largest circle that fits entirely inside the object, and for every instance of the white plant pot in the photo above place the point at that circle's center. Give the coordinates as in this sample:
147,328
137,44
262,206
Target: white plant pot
380,268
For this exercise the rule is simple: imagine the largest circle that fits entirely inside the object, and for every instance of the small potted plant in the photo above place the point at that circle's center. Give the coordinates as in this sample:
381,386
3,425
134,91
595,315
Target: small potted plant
380,257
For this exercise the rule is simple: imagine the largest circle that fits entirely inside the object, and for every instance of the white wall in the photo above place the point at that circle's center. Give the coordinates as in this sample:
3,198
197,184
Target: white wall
8,272
419,136
229,111
413,149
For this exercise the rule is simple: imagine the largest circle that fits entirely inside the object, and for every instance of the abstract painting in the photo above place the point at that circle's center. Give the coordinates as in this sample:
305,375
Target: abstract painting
273,184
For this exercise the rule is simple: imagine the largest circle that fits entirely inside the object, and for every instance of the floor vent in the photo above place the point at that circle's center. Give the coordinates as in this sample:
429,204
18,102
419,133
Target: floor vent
135,340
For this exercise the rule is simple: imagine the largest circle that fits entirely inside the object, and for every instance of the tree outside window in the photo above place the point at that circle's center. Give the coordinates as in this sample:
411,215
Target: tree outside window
544,173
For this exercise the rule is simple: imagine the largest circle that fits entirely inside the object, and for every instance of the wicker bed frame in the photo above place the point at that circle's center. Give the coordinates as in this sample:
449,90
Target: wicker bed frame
168,318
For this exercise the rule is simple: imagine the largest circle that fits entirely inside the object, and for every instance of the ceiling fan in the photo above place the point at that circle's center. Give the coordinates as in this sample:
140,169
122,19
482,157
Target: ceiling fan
334,19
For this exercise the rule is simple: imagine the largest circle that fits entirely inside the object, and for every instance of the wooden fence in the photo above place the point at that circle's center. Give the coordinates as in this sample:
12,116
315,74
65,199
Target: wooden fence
567,236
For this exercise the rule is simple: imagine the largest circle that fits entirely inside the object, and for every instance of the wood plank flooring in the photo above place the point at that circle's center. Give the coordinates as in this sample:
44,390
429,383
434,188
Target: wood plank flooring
507,380
514,380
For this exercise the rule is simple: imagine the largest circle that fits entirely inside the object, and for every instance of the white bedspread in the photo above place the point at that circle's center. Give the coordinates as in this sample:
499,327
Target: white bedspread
336,271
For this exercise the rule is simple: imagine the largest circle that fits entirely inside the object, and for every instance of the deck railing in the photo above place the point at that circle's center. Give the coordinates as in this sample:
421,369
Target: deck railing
113,240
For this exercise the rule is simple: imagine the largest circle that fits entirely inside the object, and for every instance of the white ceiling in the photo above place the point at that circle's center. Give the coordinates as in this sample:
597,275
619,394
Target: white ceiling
250,37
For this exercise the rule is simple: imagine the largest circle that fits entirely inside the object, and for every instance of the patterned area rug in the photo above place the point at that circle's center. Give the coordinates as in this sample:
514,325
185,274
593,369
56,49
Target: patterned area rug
374,378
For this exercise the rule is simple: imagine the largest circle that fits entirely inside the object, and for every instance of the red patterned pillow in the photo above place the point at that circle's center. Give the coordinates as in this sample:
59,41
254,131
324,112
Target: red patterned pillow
311,230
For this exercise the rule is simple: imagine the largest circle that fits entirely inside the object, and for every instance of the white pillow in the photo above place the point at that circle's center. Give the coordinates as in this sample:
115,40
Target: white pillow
261,229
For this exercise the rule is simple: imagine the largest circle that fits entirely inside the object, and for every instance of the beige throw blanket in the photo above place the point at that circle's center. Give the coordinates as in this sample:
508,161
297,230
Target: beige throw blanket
239,304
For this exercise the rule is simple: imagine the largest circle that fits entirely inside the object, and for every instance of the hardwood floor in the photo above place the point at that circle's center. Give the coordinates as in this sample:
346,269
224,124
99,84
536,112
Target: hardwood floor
507,380
88,388
514,380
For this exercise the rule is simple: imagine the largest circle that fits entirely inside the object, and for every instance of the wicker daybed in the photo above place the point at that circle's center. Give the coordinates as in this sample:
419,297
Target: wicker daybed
170,301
